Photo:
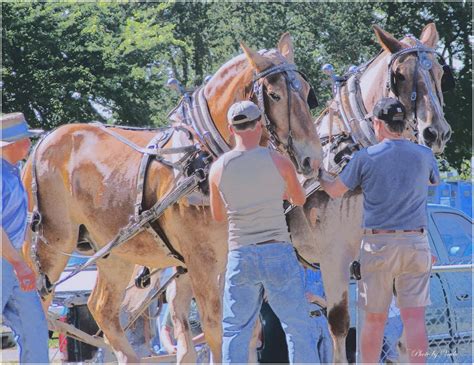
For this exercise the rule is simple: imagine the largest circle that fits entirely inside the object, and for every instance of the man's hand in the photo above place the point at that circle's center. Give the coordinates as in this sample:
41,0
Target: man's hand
26,277
312,298
334,187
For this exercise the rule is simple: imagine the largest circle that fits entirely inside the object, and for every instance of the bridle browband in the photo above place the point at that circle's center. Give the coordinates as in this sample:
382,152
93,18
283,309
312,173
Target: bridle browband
292,83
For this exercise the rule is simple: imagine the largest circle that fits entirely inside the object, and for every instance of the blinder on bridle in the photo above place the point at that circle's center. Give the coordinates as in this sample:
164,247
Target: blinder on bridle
312,99
448,82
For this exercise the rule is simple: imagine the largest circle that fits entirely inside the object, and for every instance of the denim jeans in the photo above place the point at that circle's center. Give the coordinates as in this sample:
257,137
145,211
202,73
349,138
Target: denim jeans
392,333
274,270
23,313
323,339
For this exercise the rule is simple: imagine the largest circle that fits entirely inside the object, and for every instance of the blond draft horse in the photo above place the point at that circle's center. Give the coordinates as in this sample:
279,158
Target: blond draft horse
329,231
87,188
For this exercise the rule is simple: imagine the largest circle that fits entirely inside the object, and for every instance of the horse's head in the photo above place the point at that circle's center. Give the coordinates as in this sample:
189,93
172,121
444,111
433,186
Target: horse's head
282,94
271,80
415,77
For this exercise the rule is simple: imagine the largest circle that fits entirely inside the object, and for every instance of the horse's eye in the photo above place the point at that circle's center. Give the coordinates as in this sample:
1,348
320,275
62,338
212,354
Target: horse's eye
274,96
400,77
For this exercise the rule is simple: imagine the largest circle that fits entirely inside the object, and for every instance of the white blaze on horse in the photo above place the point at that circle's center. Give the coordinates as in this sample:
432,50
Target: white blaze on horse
89,180
329,231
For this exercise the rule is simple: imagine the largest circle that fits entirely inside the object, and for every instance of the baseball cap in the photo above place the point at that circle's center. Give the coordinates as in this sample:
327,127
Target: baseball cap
389,110
242,112
14,127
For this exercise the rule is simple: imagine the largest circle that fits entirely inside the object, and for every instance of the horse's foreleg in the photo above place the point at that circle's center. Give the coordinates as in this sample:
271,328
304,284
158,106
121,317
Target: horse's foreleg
336,285
208,289
105,302
179,294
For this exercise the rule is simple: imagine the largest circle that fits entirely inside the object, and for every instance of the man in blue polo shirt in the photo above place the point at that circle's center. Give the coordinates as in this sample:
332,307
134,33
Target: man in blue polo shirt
21,306
394,176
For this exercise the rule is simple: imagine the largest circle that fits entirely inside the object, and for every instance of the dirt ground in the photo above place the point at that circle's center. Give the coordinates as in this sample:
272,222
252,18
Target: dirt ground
10,356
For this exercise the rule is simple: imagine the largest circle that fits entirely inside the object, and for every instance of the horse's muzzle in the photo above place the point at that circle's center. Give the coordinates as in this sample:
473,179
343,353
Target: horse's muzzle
309,167
435,138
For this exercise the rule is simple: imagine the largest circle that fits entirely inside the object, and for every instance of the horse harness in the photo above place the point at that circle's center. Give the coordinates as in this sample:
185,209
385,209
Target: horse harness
142,219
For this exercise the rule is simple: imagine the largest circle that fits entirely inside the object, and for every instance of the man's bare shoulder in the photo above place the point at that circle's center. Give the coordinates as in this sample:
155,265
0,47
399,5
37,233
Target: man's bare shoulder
282,162
216,167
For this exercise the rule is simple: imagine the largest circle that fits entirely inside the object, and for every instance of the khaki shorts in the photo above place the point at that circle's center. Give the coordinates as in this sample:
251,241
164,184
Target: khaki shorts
400,259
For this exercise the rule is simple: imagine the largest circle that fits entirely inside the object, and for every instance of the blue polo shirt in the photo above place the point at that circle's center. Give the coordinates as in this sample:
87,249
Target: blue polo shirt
394,176
14,204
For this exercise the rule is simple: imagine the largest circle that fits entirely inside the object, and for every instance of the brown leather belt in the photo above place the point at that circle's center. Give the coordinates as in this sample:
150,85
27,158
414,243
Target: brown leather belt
387,231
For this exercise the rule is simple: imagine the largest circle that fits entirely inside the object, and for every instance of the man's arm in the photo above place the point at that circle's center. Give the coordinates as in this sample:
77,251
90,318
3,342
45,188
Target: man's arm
217,204
334,187
26,277
294,191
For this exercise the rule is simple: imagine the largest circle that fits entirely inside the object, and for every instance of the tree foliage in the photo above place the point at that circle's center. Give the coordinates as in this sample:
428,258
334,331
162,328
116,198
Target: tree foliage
66,62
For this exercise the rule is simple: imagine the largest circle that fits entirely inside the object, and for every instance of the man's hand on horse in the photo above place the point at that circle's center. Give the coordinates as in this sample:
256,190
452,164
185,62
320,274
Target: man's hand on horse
26,277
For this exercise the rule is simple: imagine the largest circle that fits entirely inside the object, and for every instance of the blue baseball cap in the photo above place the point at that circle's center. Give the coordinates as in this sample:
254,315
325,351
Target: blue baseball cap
14,127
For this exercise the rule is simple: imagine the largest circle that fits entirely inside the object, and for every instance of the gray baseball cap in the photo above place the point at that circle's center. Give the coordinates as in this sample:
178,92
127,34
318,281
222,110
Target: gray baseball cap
243,111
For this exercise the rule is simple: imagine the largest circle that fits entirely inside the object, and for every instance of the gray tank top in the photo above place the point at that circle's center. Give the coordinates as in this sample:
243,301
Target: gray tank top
252,189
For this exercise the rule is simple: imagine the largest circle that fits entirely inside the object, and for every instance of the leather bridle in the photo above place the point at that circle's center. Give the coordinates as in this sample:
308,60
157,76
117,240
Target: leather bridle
424,66
292,84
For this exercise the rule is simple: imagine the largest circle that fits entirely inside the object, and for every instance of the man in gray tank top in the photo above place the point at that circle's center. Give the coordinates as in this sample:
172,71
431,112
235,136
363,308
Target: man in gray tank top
248,185
394,175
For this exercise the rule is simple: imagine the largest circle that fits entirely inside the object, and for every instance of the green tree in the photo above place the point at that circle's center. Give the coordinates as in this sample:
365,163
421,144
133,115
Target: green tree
60,59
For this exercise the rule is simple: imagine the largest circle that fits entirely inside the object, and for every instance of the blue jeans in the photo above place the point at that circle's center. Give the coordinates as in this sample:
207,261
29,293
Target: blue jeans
324,342
392,333
23,313
273,269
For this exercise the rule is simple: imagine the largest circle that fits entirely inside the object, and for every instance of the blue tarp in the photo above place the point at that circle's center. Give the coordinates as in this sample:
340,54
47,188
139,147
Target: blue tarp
456,194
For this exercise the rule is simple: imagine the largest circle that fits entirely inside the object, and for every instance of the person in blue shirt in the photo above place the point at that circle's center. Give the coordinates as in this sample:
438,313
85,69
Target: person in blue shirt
21,305
317,298
394,176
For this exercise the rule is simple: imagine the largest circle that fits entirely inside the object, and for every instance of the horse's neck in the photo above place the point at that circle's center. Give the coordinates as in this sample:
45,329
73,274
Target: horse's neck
373,81
225,88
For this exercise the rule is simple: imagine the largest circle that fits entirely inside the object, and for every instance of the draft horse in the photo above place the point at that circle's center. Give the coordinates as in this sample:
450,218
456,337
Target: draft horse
328,230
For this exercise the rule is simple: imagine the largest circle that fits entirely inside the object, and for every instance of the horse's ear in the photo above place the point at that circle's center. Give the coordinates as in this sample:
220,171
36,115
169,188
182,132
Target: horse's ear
429,36
285,46
256,60
387,41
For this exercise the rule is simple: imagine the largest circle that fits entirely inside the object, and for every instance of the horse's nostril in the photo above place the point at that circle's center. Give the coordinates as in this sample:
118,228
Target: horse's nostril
447,135
306,164
430,134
